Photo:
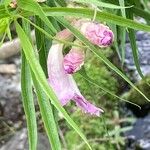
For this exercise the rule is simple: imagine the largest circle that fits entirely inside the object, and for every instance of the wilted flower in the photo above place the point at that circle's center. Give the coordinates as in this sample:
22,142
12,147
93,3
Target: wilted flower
74,60
98,34
63,84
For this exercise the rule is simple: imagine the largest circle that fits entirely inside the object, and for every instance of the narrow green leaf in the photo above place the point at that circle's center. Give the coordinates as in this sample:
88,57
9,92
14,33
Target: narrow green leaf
33,6
39,74
122,32
100,16
9,33
50,36
3,12
42,44
2,39
26,75
101,4
135,53
51,3
4,23
123,11
47,116
141,13
98,53
28,103
86,77
114,29
137,3
145,4
88,13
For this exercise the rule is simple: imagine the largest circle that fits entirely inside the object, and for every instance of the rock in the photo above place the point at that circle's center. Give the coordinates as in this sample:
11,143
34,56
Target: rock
20,142
11,48
8,69
11,109
139,137
10,96
143,44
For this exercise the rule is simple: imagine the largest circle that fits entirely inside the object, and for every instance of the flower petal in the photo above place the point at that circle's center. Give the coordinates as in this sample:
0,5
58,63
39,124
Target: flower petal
58,79
74,60
81,102
86,106
98,34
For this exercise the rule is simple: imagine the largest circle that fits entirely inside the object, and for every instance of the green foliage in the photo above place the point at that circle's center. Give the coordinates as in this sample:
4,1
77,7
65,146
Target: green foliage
40,76
99,73
98,53
134,97
27,97
94,129
3,25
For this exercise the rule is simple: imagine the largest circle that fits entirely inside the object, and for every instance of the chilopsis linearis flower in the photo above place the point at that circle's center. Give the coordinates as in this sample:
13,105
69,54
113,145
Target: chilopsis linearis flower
97,33
61,67
63,84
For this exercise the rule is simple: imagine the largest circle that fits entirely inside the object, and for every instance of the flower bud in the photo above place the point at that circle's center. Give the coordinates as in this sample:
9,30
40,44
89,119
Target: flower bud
74,60
98,34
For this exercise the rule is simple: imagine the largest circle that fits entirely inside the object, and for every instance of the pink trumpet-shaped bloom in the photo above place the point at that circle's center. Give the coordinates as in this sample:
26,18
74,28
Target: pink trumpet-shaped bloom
98,34
74,60
63,84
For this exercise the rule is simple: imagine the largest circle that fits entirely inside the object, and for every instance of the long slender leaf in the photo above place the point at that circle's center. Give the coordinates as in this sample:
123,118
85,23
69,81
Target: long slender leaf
51,3
28,97
86,77
43,45
97,52
47,115
33,6
3,12
101,4
122,3
101,16
135,53
39,74
141,13
28,103
114,29
122,32
50,36
88,13
137,3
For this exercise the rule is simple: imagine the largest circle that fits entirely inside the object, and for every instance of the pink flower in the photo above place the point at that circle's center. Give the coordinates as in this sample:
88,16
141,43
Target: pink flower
63,84
98,34
74,60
